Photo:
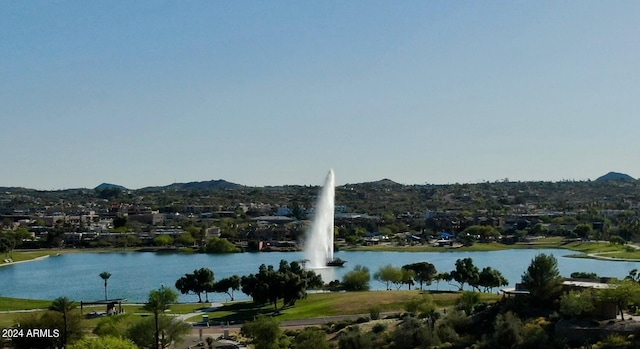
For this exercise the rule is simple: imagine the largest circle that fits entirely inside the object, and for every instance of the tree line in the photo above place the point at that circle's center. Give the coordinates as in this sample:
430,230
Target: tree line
423,273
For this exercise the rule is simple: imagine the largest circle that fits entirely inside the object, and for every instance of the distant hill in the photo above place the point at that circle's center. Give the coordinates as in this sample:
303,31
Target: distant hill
381,183
615,176
104,186
203,185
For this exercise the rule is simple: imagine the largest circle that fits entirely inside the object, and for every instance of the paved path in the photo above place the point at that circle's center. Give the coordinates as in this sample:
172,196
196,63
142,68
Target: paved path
212,307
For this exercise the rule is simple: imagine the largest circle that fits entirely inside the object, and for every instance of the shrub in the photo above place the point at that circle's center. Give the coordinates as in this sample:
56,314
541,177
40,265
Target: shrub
374,312
467,301
617,240
379,328
613,341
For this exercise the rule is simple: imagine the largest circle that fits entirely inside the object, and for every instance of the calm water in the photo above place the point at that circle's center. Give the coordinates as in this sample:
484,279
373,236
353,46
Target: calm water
134,274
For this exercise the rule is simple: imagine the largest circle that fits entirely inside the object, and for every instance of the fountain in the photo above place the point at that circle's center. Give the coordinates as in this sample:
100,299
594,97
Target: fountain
319,242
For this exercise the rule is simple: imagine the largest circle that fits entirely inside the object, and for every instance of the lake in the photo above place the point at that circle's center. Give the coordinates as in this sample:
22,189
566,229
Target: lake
134,274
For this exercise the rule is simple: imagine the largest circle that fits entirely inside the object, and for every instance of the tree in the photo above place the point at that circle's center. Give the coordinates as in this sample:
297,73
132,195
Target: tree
157,303
163,240
490,278
467,301
265,333
297,281
617,240
120,222
289,283
221,245
200,281
466,239
53,322
420,306
204,281
583,231
169,330
388,274
185,239
357,279
465,272
424,272
11,239
622,293
107,342
483,232
223,286
114,326
64,306
542,279
584,275
507,332
105,276
577,304
407,278
6,245
187,284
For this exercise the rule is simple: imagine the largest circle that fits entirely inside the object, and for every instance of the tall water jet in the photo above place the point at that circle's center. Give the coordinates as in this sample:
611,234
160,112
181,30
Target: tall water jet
319,242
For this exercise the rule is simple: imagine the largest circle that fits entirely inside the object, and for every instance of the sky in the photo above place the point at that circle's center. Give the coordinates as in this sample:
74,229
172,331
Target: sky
149,93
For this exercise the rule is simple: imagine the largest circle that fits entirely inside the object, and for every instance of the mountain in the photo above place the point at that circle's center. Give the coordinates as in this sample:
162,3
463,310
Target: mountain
204,185
615,176
385,182
104,186
381,183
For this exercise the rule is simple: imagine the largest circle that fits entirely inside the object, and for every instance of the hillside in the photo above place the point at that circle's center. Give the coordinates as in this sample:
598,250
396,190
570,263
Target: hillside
615,176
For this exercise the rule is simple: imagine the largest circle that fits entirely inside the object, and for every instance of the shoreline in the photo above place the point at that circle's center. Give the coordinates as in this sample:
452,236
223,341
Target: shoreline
24,261
377,248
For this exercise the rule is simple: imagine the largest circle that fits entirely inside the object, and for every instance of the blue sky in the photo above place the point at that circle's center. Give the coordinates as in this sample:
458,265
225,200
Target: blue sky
142,93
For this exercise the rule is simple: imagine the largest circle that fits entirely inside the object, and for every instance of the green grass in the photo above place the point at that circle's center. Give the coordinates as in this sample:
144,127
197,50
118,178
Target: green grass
18,256
332,304
492,246
594,247
585,248
24,255
22,304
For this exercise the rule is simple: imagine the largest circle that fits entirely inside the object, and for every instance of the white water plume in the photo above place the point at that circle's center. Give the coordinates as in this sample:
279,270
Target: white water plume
319,242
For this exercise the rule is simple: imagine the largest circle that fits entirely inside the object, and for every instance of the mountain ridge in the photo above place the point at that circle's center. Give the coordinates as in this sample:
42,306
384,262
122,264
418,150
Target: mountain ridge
224,184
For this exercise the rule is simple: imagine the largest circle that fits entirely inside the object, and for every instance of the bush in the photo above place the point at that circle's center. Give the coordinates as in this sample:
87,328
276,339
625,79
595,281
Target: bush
480,307
379,328
467,301
374,313
340,325
577,304
357,279
617,240
613,341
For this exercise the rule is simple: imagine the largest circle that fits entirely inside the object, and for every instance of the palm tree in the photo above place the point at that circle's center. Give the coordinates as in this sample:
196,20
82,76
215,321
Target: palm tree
63,305
105,275
158,302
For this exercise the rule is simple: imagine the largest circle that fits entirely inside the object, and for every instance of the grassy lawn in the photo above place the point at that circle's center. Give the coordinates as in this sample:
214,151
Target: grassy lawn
493,246
19,256
585,248
22,304
333,304
24,255
622,256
